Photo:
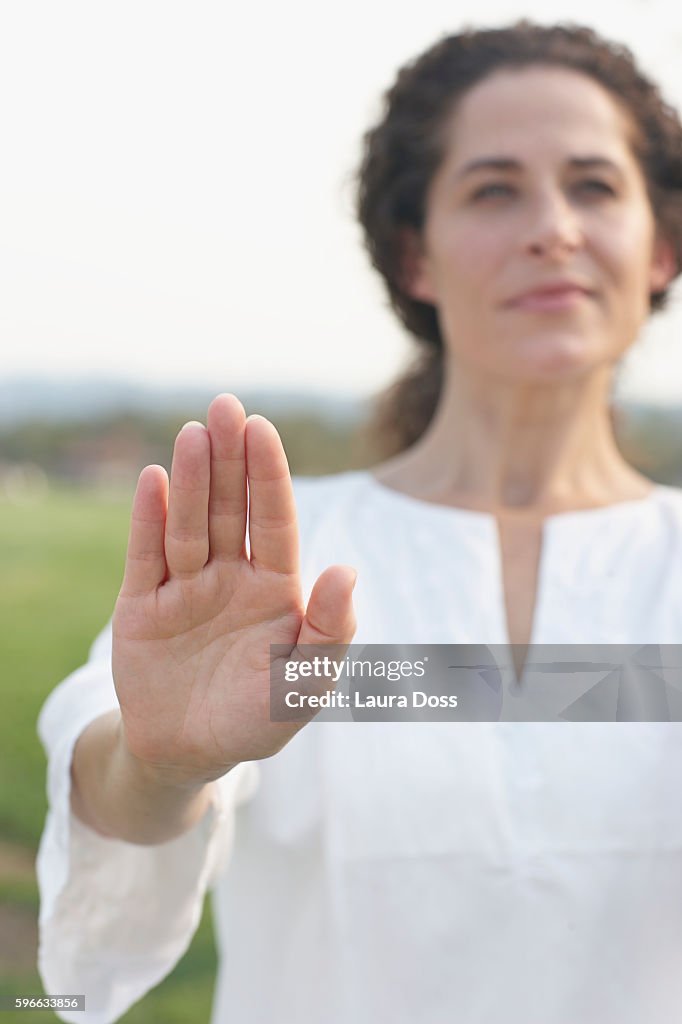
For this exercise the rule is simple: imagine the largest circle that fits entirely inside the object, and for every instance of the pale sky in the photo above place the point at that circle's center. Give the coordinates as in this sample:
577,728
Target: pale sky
175,203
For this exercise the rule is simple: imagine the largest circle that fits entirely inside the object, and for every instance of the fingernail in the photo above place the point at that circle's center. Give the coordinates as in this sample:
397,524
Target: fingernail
192,423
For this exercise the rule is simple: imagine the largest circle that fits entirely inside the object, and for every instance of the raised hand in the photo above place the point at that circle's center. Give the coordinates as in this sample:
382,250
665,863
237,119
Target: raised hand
195,615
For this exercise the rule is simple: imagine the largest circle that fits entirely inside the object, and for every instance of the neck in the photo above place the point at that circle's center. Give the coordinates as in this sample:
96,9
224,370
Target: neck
496,444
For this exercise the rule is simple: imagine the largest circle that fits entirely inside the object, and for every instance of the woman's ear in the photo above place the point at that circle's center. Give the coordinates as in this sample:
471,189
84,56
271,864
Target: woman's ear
415,279
663,264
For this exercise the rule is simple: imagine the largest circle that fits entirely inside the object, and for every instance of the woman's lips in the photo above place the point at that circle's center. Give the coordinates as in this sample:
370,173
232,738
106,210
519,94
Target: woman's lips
548,301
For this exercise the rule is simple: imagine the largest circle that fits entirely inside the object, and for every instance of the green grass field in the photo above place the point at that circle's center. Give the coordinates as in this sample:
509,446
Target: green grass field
61,563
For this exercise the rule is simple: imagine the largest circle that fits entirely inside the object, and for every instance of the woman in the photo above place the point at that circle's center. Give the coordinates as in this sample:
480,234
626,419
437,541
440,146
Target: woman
521,196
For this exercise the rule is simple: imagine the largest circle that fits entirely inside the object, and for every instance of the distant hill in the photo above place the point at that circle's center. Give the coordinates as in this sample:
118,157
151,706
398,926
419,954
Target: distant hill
30,397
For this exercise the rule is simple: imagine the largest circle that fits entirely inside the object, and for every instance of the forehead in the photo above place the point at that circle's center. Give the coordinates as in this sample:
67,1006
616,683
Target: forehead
537,109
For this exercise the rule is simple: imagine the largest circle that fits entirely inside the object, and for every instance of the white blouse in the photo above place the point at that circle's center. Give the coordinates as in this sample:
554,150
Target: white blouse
484,873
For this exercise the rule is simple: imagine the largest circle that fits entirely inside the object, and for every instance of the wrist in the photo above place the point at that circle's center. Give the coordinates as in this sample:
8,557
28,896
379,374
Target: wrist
150,775
184,779
123,797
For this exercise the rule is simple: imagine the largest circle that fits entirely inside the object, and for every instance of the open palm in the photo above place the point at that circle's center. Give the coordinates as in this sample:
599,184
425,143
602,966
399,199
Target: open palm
196,614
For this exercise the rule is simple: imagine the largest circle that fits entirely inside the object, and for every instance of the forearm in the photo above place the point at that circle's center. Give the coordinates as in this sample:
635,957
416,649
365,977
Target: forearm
117,796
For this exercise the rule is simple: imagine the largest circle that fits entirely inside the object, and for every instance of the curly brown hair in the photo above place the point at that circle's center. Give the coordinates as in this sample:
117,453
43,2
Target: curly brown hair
403,151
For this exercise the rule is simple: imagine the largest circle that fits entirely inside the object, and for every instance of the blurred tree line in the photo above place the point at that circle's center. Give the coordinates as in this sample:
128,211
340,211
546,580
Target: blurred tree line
113,448
650,438
109,451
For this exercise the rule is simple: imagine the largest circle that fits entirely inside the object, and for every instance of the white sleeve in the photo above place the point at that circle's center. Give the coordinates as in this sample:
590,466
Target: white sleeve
115,917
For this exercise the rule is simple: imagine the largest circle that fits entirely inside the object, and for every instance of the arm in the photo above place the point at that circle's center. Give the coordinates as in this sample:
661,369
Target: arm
116,916
160,732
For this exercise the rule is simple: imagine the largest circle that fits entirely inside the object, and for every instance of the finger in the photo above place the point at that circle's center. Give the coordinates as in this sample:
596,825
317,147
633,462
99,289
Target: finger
329,617
273,530
326,631
186,541
145,567
227,499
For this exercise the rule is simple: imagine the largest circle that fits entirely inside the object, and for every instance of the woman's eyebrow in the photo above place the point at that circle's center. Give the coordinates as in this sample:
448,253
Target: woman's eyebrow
505,163
588,162
491,163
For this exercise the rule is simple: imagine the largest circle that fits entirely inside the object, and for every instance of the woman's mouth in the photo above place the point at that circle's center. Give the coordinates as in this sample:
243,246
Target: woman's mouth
550,299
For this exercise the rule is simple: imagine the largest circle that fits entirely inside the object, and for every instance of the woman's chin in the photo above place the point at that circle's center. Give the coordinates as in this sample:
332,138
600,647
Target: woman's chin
553,357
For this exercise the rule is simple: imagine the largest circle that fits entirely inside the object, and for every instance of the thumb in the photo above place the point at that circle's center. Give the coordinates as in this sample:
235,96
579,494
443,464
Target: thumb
329,617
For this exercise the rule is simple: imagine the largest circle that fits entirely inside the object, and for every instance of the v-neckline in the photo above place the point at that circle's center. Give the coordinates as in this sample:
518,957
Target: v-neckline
504,586
551,527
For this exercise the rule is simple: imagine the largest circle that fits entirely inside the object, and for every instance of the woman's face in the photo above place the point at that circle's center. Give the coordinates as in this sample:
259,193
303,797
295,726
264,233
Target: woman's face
539,248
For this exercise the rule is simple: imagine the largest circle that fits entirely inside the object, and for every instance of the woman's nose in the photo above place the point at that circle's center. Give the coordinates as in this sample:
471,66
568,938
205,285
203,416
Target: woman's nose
554,227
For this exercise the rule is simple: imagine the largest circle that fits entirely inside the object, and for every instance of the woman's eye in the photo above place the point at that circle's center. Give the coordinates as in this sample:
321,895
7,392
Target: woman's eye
493,191
596,187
